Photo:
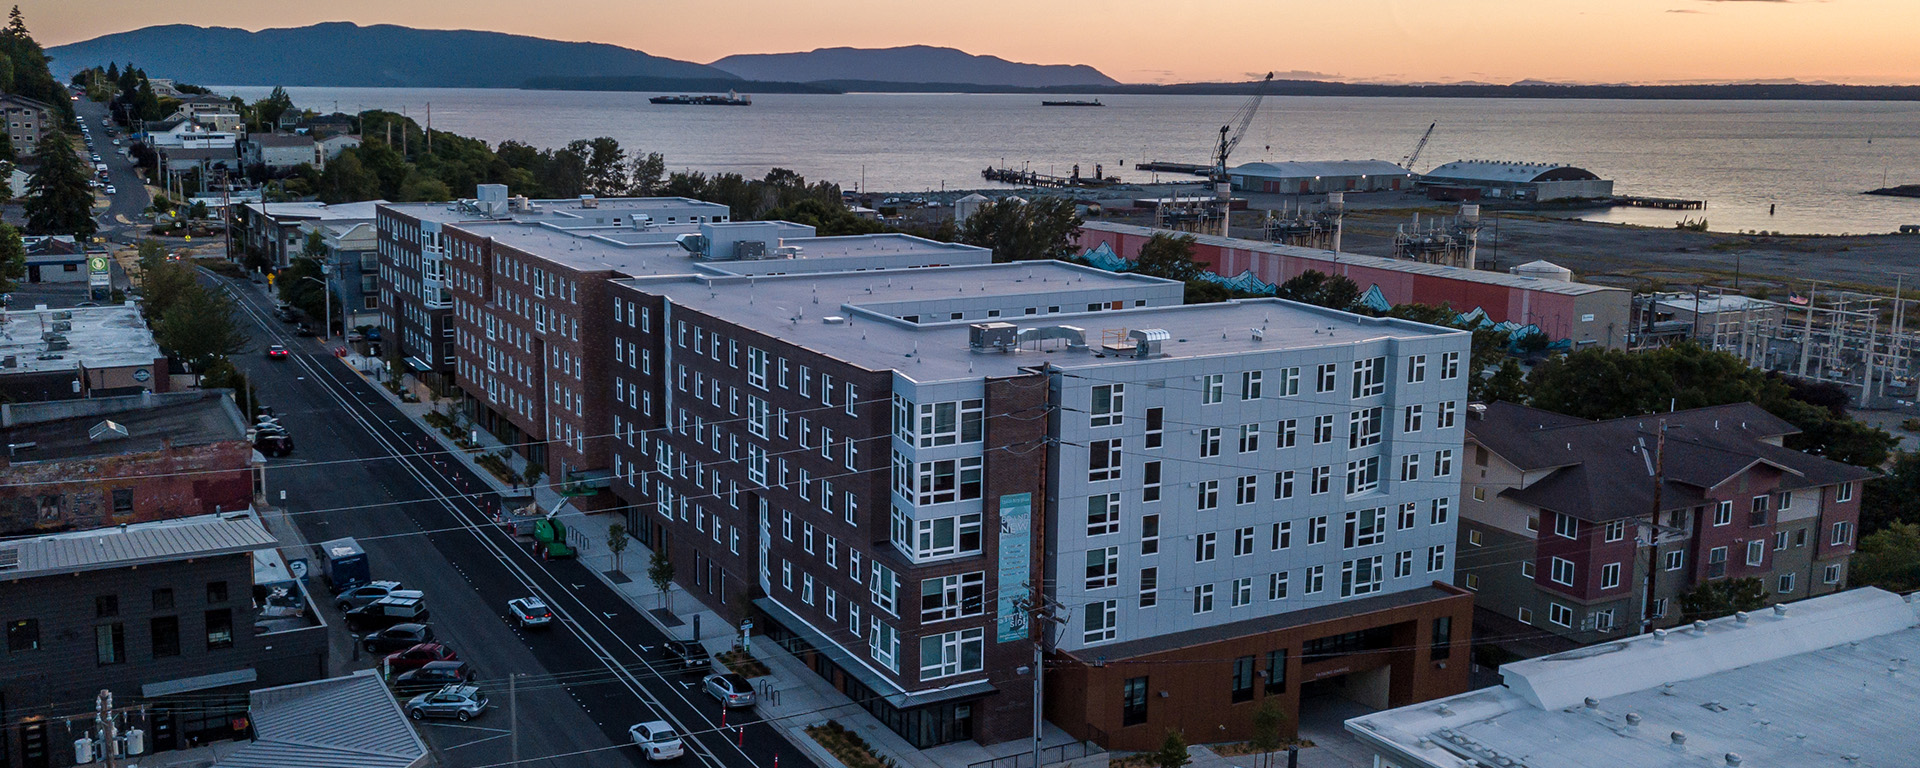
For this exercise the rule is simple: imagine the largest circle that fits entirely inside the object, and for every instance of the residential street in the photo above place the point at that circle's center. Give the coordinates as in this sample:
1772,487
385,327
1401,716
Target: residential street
361,469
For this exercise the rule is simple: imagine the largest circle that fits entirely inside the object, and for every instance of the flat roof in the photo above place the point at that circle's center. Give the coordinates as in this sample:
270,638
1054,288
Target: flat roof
1708,305
654,252
311,210
782,307
61,430
163,541
1819,682
1543,285
113,336
1309,168
559,211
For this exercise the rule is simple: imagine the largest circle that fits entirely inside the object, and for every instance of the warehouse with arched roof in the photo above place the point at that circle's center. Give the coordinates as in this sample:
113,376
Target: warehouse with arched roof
1504,180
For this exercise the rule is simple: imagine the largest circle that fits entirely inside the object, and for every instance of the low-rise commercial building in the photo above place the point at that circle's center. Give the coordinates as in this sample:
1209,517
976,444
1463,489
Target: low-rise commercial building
182,616
53,354
1317,177
1555,529
1764,689
80,464
1575,315
1520,182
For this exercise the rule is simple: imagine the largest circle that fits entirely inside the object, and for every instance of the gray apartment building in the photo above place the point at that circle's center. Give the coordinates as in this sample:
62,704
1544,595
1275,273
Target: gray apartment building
181,617
1554,530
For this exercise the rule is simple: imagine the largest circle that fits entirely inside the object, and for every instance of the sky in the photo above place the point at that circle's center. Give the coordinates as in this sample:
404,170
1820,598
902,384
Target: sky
1500,41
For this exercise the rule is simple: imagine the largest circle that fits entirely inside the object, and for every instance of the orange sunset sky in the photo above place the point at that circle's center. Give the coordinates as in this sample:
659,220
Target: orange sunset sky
1640,41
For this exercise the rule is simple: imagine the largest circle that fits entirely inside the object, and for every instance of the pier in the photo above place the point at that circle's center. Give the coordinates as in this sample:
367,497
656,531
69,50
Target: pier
1032,179
1668,203
1160,167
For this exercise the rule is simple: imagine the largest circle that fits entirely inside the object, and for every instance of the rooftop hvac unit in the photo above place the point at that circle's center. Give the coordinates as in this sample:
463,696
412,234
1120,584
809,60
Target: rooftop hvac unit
63,315
589,201
63,325
692,243
56,342
107,430
985,336
750,250
10,361
1147,342
787,252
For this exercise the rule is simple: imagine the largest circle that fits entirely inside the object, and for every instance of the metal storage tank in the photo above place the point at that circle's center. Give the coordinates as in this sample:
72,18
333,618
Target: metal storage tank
1544,270
963,208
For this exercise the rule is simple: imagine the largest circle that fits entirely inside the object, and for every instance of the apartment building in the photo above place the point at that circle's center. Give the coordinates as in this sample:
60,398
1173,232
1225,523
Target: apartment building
965,434
182,615
1555,514
26,121
416,298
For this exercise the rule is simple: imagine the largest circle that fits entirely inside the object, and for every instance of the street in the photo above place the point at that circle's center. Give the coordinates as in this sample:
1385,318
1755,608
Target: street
362,469
122,216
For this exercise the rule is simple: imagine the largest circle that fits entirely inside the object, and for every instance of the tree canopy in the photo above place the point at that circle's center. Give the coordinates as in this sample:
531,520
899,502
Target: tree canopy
1024,231
1320,289
59,200
13,258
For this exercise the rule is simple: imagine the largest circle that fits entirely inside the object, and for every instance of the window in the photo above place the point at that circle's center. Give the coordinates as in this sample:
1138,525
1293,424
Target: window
1102,621
1149,587
1416,369
1842,533
1150,481
1363,476
1757,515
945,536
1449,413
1473,537
1369,377
1277,586
1317,530
1103,514
1286,433
1844,492
1156,427
1209,442
884,586
219,629
1242,591
1242,689
1560,614
1323,377
952,597
1250,385
110,644
1364,428
1243,541
1562,572
1282,537
1322,429
1756,551
1440,510
1610,576
1779,540
1208,496
1410,467
1450,365
1316,579
1103,568
1443,462
1203,598
1525,615
1366,527
1831,575
1360,577
1149,535
1716,562
1133,701
1212,388
1436,558
1412,418
1283,485
1566,527
1403,564
1103,460
164,632
883,642
1321,481
1785,502
1289,384
1205,546
1723,513
1786,583
1249,438
1603,620
952,653
1108,404
1616,530
1676,559
942,424
1441,644
947,480
806,588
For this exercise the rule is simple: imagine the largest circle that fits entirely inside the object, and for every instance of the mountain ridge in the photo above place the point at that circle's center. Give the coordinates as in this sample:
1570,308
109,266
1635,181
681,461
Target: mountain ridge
908,64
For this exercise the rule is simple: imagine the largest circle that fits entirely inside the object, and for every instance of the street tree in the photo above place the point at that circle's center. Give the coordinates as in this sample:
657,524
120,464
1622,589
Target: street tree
660,572
1172,752
1268,720
59,201
13,258
617,539
1888,559
1029,231
200,328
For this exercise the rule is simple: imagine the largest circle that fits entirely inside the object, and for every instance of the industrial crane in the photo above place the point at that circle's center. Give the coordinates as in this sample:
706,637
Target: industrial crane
1230,136
1409,160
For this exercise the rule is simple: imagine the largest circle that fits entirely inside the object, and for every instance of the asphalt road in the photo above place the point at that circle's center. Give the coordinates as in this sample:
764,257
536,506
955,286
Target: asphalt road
122,214
362,469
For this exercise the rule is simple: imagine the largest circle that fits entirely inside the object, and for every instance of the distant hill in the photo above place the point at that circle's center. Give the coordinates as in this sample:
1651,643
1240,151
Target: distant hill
909,64
346,54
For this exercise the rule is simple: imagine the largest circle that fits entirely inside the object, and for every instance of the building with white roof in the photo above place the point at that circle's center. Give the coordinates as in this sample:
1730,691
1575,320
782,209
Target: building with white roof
1506,180
1821,682
52,354
1315,177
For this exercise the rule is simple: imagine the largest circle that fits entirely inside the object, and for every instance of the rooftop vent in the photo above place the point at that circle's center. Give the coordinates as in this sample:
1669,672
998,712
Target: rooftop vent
589,201
56,342
107,429
834,320
1148,341
9,558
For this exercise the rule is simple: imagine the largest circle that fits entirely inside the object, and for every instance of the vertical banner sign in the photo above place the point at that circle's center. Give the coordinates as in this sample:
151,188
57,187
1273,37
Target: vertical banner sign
1016,563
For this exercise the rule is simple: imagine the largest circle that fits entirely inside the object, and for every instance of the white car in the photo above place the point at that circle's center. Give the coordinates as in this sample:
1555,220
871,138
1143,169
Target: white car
111,190
657,740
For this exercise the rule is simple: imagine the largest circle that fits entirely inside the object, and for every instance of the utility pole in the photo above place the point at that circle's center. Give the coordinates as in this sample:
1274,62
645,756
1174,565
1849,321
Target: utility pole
1657,468
109,733
1042,613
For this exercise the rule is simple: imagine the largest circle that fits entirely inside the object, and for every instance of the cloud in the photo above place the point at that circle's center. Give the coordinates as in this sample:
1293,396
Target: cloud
1683,10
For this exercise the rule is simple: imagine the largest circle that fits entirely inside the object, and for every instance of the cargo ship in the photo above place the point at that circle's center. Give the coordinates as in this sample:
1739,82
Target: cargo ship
1073,103
730,100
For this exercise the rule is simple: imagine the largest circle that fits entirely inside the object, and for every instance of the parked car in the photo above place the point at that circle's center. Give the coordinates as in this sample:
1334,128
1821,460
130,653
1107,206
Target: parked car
367,593
732,690
680,654
272,443
434,676
276,352
112,190
460,702
657,740
529,612
419,656
398,637
386,612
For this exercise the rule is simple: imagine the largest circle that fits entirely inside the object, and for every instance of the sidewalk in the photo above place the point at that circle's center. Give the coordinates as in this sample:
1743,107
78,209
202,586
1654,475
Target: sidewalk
792,696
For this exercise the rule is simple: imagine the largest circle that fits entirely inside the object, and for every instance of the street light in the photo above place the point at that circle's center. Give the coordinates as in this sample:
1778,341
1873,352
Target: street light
326,293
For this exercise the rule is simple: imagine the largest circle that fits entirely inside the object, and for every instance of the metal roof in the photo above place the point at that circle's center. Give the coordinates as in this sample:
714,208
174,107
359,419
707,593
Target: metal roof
137,544
1502,170
343,722
1819,682
1308,169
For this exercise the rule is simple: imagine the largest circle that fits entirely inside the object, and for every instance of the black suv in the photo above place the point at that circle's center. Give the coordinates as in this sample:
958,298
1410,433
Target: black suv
398,637
386,612
434,676
680,654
